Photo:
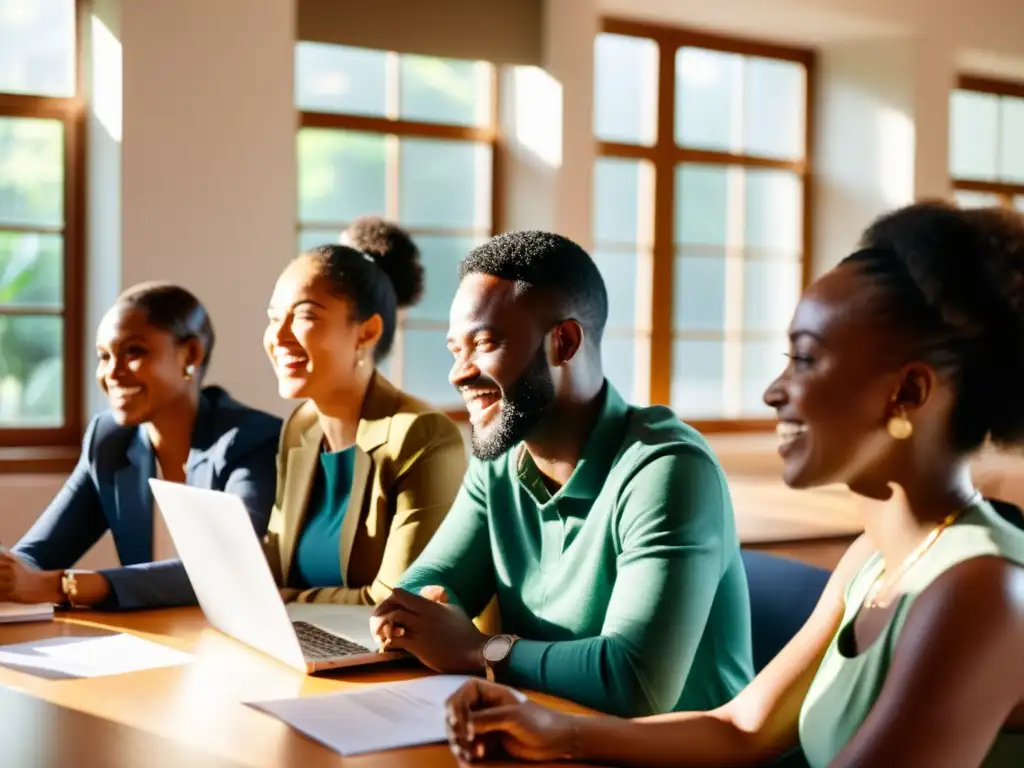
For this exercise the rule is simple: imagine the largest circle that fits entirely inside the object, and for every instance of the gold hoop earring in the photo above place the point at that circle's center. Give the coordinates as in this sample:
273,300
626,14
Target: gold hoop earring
899,426
190,372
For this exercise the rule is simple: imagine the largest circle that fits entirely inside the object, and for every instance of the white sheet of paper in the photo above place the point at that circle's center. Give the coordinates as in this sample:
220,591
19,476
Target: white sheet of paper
374,718
14,612
89,656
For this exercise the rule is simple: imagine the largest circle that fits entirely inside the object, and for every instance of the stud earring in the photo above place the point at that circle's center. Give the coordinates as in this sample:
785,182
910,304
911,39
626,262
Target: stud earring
899,426
360,358
190,372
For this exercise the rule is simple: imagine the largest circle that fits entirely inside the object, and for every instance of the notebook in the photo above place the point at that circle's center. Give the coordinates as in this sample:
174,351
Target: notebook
11,613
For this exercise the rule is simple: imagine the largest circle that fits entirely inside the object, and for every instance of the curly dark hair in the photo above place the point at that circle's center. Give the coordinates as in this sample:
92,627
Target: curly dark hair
952,284
395,253
551,263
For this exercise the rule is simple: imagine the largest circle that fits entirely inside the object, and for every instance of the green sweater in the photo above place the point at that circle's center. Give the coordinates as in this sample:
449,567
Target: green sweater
626,585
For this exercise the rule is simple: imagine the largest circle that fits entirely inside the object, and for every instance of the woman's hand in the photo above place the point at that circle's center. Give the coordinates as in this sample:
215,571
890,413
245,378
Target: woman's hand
21,584
485,719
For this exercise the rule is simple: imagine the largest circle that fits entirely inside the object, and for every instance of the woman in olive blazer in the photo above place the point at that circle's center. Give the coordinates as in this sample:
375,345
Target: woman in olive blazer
409,463
366,473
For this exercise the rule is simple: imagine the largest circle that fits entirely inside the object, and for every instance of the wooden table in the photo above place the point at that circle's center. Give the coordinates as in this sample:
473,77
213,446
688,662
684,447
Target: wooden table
190,715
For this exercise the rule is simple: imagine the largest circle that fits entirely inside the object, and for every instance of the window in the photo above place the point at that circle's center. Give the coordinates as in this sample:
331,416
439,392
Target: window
410,138
40,224
700,214
986,143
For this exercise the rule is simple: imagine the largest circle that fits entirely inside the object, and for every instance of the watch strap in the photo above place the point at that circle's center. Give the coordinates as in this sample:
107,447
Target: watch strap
69,586
490,664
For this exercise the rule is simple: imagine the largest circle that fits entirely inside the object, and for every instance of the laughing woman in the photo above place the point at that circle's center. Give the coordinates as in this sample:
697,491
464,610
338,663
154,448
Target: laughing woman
903,360
153,349
366,473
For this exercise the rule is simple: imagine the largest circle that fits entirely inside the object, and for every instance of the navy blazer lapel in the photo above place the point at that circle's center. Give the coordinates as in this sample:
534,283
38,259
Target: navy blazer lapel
198,470
134,529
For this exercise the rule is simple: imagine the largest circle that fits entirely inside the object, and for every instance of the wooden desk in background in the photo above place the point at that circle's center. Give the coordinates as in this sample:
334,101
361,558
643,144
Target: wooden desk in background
190,715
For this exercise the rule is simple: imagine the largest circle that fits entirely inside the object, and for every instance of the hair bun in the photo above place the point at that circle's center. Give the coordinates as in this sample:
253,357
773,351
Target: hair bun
394,252
968,267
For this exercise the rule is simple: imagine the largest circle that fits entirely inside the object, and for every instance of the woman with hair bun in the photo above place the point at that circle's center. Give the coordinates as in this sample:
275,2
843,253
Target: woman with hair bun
904,360
153,349
366,472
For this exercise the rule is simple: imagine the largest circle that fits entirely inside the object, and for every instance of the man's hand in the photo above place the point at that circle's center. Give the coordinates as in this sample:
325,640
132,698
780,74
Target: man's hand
437,633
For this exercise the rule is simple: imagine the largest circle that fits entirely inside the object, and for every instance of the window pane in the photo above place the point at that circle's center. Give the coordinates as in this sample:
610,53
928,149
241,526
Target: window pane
973,142
426,362
771,289
440,257
774,211
774,108
37,47
619,271
623,201
698,293
709,85
31,171
444,90
1011,134
310,238
968,199
341,175
337,78
31,371
618,358
697,378
701,204
31,269
625,89
444,184
762,362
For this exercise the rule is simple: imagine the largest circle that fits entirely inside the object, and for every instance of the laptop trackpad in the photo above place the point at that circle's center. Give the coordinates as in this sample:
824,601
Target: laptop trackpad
349,621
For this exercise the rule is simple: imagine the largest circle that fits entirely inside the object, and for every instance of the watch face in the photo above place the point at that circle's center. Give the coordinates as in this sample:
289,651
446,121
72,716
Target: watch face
497,648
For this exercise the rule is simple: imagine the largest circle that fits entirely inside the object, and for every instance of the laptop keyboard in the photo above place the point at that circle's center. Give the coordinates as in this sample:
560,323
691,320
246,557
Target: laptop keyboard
318,644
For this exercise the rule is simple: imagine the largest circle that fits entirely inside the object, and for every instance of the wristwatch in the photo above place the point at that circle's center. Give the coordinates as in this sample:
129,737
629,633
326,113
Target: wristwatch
496,650
69,586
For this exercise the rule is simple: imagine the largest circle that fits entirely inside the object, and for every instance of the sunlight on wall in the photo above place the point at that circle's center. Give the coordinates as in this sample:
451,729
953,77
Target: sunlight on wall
895,132
537,114
106,78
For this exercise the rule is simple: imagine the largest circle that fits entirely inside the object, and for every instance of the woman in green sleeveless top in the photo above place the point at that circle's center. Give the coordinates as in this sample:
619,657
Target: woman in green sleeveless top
904,359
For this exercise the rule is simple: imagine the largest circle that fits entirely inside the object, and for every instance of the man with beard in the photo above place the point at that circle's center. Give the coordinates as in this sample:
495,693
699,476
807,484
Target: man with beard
605,530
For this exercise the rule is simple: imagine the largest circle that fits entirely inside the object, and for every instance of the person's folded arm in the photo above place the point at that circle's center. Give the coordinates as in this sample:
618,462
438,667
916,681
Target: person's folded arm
672,521
431,464
458,557
164,583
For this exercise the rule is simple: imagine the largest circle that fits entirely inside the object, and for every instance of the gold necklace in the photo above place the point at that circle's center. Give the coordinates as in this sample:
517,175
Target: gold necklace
873,600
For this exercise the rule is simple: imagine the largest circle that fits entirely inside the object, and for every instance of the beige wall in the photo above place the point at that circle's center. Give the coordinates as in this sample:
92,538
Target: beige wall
192,168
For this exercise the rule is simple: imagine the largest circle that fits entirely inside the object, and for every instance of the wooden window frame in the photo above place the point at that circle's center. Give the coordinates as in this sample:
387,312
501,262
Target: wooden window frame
664,155
1006,191
56,449
416,129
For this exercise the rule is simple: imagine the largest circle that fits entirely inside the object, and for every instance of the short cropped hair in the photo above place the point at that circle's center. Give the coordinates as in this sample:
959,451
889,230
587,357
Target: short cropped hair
552,264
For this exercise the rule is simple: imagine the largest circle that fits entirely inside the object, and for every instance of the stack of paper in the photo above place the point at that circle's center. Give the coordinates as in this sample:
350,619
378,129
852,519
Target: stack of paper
373,718
71,657
14,612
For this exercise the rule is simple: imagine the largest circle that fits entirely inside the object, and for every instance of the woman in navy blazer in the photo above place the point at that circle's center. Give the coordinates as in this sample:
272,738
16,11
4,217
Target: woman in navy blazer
153,347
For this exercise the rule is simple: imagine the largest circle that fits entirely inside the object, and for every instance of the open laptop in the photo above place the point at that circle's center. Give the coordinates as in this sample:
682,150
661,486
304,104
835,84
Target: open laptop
224,561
